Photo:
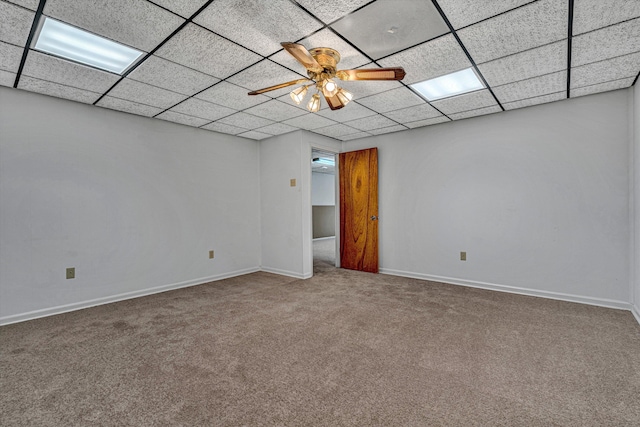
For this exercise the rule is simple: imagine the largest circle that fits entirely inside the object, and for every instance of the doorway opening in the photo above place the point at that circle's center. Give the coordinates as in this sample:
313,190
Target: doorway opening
323,209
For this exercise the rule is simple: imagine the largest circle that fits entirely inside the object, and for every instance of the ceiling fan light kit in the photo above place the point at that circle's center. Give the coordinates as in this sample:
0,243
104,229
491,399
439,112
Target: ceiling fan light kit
321,63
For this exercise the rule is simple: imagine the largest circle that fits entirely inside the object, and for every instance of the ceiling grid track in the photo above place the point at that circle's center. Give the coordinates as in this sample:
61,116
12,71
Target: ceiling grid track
569,40
25,52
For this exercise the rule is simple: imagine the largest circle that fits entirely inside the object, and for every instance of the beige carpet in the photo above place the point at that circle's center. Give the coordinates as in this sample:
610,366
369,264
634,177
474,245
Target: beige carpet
340,349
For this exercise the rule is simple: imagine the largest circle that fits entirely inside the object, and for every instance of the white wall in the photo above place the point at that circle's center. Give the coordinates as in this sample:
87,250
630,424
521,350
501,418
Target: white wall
134,204
635,198
323,189
537,197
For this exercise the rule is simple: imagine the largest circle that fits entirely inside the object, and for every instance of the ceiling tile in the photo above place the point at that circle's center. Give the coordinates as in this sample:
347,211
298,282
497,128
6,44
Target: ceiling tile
184,8
392,100
143,93
265,74
602,87
465,12
49,68
530,26
351,111
15,24
362,89
427,122
330,10
7,78
537,86
136,23
223,128
385,27
605,71
10,57
203,109
169,75
275,110
475,113
246,121
432,59
29,4
413,114
617,40
255,135
232,96
261,26
57,90
277,129
524,65
468,101
335,131
372,122
128,106
200,49
390,129
309,121
590,15
353,136
535,100
183,119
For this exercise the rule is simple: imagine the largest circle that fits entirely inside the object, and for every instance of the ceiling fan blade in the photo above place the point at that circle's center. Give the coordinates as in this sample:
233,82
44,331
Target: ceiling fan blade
395,73
334,102
302,55
280,86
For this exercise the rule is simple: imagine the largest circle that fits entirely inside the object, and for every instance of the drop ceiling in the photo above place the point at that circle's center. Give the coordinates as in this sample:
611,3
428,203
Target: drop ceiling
202,57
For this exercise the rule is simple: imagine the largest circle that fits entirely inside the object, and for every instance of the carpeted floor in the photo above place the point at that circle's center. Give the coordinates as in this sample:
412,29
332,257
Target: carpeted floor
341,349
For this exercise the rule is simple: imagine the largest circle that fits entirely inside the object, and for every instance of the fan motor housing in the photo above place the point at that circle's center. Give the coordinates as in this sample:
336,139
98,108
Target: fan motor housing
328,58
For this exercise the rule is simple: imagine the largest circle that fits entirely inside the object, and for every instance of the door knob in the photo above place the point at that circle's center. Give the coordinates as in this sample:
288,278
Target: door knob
373,217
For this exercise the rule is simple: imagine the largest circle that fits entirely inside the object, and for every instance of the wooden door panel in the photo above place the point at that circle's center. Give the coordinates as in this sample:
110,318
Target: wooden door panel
359,210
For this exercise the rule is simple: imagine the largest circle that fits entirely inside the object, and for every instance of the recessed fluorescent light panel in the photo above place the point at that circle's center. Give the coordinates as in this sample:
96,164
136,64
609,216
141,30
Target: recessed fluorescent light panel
77,45
324,161
449,85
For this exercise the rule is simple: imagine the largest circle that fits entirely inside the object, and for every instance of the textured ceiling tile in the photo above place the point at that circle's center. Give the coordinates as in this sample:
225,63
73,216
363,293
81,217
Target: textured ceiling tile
465,12
265,74
335,131
389,129
10,57
255,135
388,26
427,122
605,71
246,121
67,73
136,23
350,111
620,39
184,8
7,78
29,4
353,136
204,51
231,96
183,119
524,65
57,90
362,89
475,113
169,75
535,100
277,129
223,128
309,121
392,100
413,114
275,110
330,10
466,102
589,15
15,23
259,25
533,25
203,109
537,86
128,106
143,93
372,122
602,87
433,59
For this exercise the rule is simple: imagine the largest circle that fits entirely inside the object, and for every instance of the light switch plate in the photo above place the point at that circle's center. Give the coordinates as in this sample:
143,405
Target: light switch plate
463,256
292,182
210,254
71,273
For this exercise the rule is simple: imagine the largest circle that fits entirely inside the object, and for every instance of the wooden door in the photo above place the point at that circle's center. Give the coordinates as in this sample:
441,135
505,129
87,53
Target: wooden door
358,172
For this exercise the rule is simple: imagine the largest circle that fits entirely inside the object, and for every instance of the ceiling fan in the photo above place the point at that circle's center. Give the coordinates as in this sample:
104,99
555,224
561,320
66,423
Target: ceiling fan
321,63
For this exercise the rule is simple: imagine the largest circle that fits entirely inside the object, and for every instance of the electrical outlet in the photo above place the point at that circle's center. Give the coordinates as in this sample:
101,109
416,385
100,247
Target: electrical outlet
463,256
71,273
210,254
292,182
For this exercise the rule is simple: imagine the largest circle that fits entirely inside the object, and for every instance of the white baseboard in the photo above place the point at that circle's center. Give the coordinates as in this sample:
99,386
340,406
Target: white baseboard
601,302
286,273
636,313
6,320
